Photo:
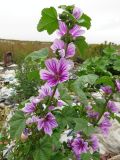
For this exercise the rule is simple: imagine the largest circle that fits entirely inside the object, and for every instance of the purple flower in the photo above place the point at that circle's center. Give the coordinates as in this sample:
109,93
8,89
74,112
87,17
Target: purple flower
35,100
51,108
26,131
107,114
47,123
107,89
94,142
29,108
58,45
57,71
76,31
62,28
70,50
118,85
46,90
105,126
60,103
112,107
77,12
33,119
93,114
79,146
88,108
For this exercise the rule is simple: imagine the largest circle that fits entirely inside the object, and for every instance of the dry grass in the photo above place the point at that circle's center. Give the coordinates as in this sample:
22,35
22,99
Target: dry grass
22,48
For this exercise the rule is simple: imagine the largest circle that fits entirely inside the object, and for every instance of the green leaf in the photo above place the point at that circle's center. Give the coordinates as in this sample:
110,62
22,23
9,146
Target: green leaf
105,80
77,89
96,156
86,156
43,149
48,21
81,44
82,125
17,124
86,79
85,21
58,156
109,50
64,95
40,54
66,116
89,156
117,64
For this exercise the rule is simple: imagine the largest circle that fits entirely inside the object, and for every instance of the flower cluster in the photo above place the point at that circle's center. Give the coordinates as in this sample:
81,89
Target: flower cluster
81,145
39,109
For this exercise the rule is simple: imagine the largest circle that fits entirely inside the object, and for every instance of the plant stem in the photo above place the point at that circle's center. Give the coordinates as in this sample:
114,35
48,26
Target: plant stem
50,99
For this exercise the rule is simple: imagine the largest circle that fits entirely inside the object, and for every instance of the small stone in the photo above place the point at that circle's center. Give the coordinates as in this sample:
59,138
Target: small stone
115,158
2,105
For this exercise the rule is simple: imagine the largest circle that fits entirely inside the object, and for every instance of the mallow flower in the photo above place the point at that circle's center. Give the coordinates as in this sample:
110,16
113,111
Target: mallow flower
62,28
92,114
76,31
57,71
60,46
79,146
105,126
77,13
29,108
94,142
118,85
33,119
112,107
106,89
48,123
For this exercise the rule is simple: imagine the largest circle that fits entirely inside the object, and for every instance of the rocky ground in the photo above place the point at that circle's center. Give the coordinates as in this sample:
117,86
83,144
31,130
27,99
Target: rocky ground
7,77
109,146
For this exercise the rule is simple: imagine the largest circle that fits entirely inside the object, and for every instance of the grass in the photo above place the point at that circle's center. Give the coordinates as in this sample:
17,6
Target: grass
20,49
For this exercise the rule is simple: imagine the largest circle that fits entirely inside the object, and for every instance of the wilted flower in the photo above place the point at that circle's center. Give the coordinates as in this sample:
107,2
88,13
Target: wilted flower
107,89
79,146
57,71
47,123
29,108
118,85
76,31
112,107
24,135
33,119
94,142
77,12
105,126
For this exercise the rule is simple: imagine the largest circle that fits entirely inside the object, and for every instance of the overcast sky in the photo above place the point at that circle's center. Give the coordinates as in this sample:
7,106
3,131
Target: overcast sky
19,18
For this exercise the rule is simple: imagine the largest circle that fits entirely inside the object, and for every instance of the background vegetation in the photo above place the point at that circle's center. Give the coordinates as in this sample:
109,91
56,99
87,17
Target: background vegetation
20,49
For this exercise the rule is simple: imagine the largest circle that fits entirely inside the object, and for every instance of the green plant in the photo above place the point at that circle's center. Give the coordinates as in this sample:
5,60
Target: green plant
37,127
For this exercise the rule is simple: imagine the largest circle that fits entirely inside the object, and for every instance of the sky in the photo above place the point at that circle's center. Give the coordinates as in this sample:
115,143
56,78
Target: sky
19,19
